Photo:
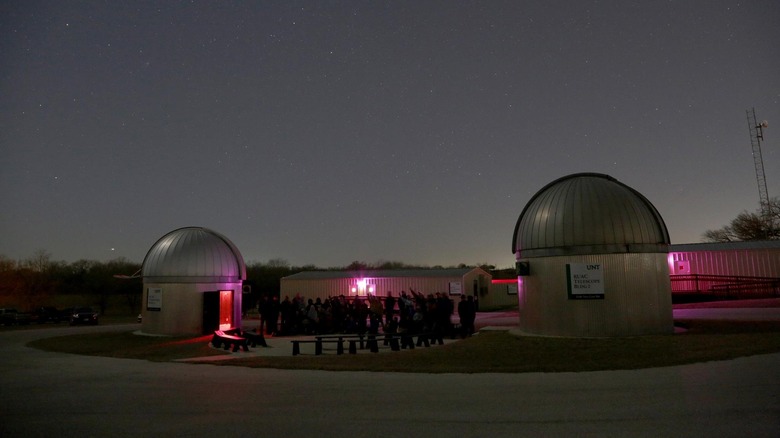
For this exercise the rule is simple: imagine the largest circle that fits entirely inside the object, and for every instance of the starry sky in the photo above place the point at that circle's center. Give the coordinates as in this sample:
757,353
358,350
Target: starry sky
322,132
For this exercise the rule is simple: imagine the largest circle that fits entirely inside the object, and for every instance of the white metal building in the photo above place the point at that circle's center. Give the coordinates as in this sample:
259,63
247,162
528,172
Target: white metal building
592,259
748,259
192,280
324,284
726,270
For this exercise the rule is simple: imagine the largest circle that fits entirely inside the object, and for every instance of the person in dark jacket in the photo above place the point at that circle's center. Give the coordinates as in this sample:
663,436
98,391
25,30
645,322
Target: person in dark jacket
467,313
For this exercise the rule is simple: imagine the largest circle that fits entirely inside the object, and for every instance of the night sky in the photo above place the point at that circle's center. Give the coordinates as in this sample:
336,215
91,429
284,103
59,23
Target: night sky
329,132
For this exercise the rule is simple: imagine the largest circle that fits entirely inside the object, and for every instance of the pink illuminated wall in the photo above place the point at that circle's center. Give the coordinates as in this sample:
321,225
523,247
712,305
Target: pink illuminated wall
750,259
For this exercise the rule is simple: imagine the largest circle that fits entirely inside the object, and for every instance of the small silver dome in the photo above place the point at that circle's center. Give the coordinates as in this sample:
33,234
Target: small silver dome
588,213
193,255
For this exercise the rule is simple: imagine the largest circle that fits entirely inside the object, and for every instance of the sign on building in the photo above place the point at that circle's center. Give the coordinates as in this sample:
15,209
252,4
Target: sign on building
154,299
585,281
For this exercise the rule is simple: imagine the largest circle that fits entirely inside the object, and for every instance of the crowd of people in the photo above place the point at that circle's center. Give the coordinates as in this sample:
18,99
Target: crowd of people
410,312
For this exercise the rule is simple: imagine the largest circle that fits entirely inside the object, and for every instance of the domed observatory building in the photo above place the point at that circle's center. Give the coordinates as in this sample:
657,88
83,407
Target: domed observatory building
192,281
591,257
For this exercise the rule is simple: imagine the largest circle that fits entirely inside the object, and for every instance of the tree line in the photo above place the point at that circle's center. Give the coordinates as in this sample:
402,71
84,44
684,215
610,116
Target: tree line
41,281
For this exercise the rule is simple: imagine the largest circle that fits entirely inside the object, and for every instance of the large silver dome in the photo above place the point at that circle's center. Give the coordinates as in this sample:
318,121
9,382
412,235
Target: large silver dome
193,255
588,213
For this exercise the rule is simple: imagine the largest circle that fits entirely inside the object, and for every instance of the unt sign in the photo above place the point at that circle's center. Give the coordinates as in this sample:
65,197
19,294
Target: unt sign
585,281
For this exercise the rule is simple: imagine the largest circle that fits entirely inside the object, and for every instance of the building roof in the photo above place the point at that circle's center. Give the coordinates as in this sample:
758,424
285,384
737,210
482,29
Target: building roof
389,273
725,246
588,213
193,255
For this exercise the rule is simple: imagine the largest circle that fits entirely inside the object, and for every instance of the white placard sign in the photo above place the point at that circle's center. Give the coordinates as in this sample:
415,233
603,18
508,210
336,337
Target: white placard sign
455,288
154,299
585,281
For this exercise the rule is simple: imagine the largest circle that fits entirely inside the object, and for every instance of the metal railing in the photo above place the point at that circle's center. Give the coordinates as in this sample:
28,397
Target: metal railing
725,286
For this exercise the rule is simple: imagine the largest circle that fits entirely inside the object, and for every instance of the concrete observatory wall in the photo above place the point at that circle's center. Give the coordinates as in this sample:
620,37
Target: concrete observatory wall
592,219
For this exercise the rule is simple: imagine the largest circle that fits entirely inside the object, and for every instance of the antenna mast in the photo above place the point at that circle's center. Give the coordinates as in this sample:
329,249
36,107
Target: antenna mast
756,135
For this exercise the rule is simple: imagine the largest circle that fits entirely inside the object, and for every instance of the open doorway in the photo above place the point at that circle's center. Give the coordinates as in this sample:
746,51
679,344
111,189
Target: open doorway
225,309
217,311
210,312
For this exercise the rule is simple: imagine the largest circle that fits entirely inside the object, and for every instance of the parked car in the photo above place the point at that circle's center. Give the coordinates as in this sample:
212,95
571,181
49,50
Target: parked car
10,316
81,315
44,314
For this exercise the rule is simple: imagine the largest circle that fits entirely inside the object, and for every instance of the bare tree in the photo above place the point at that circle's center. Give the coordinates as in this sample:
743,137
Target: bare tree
278,263
39,262
358,266
761,225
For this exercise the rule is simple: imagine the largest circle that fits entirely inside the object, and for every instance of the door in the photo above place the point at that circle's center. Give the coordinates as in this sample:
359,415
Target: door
210,312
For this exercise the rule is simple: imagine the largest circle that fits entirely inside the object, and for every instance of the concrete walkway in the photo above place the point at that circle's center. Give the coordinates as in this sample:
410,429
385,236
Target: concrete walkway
63,395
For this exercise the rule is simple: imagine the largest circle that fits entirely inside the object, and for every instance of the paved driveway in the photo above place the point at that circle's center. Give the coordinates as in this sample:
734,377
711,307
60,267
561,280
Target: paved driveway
53,395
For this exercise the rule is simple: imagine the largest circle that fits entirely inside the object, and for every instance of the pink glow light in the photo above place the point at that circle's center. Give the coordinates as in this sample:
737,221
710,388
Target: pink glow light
505,281
362,287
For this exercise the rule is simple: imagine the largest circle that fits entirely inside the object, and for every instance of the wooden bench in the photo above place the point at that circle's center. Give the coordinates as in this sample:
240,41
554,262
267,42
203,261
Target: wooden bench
352,338
225,340
399,341
255,338
396,341
392,339
366,340
430,338
296,343
407,340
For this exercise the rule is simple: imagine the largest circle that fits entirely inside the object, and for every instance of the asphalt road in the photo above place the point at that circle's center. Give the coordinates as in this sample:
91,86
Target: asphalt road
62,395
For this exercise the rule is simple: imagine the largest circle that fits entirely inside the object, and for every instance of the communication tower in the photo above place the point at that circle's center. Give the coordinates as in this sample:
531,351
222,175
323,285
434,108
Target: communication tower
756,135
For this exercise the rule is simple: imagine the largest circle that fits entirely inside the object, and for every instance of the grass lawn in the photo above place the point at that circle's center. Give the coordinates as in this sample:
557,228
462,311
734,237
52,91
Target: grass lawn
490,351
